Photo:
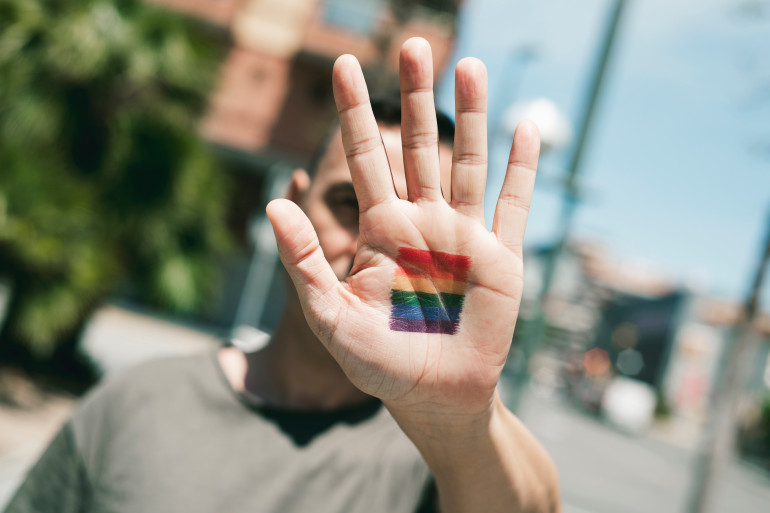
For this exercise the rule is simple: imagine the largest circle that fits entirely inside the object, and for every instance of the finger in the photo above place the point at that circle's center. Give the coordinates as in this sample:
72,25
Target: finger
365,154
516,195
317,285
419,129
469,159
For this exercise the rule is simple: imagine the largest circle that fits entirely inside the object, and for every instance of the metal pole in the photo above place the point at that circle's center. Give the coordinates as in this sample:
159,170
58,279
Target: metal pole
529,344
718,442
264,257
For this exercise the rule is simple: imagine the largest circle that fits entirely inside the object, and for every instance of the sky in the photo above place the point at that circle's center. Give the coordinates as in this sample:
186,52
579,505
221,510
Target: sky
676,171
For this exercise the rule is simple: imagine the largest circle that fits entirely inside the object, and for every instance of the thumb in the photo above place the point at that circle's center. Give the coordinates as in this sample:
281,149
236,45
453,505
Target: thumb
303,258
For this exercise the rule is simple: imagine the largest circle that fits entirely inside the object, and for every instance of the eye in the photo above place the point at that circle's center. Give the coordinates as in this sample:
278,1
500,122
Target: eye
342,202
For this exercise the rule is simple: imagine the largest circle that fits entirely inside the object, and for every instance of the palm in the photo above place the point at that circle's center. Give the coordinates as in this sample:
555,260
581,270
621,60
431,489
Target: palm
412,333
421,363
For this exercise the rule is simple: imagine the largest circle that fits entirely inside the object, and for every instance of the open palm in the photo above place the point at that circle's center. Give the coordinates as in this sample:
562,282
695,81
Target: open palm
426,316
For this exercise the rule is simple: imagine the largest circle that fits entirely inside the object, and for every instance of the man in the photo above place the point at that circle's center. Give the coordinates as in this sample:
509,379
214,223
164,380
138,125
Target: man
414,304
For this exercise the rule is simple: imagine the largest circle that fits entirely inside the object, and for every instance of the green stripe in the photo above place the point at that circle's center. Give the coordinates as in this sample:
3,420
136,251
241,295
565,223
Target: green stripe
403,297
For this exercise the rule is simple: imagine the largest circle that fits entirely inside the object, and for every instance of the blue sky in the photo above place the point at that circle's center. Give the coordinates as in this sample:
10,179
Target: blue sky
674,171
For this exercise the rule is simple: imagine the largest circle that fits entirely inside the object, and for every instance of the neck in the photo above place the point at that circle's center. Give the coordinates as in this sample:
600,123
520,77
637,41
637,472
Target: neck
293,371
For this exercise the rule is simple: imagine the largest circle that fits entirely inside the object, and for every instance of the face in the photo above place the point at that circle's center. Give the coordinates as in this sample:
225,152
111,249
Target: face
330,200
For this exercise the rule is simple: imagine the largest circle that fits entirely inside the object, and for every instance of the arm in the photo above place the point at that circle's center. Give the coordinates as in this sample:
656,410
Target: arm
488,463
425,318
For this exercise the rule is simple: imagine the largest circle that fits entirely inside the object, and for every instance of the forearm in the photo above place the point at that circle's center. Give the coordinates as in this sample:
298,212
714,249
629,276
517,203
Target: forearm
486,463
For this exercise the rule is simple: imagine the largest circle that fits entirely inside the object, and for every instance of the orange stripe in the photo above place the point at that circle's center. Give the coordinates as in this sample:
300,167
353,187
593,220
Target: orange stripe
434,286
412,272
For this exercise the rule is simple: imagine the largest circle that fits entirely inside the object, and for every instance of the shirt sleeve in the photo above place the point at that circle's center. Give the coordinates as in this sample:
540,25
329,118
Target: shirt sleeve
57,482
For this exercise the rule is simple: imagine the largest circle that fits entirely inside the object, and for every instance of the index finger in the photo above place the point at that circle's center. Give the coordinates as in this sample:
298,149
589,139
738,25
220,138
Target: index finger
361,138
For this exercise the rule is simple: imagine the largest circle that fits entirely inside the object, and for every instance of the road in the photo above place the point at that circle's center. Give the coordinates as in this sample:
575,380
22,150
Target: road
605,471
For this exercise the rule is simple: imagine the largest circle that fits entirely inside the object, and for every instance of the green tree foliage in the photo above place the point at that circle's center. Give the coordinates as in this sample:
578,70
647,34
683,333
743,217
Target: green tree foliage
103,178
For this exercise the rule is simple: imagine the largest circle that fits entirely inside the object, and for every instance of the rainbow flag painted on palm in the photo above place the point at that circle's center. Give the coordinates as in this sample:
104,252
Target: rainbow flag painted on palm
428,291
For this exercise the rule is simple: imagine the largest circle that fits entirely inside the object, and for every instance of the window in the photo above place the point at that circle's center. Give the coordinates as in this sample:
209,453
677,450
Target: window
360,16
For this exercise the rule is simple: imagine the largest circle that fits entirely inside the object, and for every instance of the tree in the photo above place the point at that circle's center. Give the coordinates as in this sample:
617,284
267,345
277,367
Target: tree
104,181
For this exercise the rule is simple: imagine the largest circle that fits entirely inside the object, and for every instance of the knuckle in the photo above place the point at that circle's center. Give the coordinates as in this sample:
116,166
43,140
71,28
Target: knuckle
470,159
420,140
304,251
522,164
362,147
515,201
471,108
418,89
351,106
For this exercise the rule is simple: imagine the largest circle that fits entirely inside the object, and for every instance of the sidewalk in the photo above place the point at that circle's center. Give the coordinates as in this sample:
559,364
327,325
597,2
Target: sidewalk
605,471
27,421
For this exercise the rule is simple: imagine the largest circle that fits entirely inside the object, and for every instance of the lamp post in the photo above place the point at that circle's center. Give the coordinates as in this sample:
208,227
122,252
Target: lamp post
570,199
555,128
718,439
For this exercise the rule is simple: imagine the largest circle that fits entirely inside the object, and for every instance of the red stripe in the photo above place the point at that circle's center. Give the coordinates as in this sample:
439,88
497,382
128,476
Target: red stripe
421,262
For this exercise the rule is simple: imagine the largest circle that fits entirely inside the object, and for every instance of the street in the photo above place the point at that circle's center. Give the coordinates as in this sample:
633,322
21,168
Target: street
605,471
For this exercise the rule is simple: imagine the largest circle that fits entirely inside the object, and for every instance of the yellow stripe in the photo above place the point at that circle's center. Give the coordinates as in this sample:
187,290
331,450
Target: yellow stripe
431,286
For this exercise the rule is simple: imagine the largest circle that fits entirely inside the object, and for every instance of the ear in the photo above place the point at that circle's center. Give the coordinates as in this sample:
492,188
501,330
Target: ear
298,186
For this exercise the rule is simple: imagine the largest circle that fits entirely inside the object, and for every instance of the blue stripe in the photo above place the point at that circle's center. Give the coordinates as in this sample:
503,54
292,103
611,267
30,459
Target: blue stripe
428,313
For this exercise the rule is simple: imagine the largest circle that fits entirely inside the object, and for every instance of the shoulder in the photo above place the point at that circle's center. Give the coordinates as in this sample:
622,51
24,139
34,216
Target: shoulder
129,395
145,379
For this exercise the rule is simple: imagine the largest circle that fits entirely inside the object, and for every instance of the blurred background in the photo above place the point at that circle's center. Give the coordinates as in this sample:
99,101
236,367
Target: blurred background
141,140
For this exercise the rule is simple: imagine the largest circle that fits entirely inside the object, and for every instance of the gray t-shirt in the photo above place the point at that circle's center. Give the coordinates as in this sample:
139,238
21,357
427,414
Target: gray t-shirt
172,436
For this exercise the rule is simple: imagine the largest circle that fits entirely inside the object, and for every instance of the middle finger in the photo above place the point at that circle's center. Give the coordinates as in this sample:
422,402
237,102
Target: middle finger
419,129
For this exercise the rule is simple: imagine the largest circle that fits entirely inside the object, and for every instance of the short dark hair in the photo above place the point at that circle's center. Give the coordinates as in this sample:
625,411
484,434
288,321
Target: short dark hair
387,110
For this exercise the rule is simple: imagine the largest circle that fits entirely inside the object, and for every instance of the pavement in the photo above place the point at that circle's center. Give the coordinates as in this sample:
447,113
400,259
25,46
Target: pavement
29,417
603,470
119,337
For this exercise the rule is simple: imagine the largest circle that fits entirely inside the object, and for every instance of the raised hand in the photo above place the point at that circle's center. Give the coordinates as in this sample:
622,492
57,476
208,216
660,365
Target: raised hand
425,318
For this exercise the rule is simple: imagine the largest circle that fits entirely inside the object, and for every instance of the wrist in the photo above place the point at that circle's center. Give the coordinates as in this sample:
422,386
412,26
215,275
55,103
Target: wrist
431,426
487,458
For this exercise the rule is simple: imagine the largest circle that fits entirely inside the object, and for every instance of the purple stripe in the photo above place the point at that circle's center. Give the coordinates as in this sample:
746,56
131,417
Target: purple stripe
423,326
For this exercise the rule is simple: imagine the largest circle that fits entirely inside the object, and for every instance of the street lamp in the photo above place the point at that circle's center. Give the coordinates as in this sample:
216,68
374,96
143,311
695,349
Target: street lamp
555,128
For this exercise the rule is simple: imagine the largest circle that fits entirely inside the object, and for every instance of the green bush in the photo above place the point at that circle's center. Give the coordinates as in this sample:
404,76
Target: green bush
103,178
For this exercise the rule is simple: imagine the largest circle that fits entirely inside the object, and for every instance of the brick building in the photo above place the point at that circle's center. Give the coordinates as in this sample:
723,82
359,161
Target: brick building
274,92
